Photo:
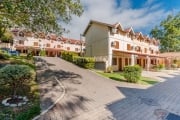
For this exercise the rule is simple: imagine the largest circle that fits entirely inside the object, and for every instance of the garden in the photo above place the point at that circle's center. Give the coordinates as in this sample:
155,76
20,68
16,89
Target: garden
131,74
19,94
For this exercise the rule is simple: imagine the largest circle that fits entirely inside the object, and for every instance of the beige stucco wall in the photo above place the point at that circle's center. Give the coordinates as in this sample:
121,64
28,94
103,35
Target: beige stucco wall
97,41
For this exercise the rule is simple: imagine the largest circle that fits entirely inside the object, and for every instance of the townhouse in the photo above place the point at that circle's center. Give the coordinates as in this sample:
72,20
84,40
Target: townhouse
112,45
52,44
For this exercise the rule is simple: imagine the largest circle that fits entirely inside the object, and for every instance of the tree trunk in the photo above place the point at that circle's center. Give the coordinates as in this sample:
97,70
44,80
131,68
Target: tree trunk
14,92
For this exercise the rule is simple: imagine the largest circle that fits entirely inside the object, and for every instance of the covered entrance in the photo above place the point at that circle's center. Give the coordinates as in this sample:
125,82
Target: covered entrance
124,59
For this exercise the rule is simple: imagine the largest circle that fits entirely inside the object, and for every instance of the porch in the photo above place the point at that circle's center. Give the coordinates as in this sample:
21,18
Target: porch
122,59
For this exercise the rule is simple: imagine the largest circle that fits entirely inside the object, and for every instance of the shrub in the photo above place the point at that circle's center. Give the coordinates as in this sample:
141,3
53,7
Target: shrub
161,66
21,62
174,65
4,55
85,62
68,56
158,67
29,114
109,69
16,76
132,73
42,53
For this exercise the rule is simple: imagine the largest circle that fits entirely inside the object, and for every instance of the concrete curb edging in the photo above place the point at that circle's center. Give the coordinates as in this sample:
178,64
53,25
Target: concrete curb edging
60,98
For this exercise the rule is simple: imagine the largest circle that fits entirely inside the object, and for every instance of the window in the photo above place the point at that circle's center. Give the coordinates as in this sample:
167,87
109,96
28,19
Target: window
115,44
68,48
114,61
21,42
128,47
76,49
58,46
48,45
21,34
152,51
145,50
36,44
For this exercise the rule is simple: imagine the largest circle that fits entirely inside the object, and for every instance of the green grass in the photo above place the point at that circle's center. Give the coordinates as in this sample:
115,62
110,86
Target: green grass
118,76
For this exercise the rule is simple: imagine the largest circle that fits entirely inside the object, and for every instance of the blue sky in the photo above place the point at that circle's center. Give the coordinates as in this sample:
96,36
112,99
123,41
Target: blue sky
166,4
142,15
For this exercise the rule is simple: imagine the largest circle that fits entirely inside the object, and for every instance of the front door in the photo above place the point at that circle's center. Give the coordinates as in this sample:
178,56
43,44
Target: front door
120,64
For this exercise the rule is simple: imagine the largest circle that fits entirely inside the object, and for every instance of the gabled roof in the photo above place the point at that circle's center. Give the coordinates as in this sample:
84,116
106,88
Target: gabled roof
118,25
128,30
170,54
96,22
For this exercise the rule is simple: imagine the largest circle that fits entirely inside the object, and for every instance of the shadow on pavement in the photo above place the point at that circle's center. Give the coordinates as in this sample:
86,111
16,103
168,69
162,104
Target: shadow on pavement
66,109
138,102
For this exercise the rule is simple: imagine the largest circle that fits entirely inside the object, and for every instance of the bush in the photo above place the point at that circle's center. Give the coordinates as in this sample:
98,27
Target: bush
32,112
109,69
42,53
85,62
68,56
132,73
161,66
174,65
158,67
21,62
4,55
16,76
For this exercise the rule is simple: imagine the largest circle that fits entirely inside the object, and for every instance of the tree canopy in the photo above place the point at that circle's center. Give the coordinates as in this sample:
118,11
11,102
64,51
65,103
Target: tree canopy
168,32
7,37
38,15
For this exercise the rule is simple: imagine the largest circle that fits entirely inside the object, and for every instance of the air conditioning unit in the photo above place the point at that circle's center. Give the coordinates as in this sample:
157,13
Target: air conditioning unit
113,43
114,30
136,48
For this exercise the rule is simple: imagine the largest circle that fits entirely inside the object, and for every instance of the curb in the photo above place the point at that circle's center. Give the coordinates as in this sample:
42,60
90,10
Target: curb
50,107
60,98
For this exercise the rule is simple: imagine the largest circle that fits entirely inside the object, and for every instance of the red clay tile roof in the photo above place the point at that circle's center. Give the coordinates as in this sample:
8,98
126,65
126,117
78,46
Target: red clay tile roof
170,54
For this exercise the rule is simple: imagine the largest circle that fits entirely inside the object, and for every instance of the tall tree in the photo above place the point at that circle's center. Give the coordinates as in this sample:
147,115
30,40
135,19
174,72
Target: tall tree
168,32
38,15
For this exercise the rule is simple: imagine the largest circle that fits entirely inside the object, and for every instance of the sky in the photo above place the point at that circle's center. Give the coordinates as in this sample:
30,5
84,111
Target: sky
141,15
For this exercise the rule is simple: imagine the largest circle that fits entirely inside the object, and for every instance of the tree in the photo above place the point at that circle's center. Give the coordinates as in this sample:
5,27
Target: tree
7,37
168,32
38,15
15,76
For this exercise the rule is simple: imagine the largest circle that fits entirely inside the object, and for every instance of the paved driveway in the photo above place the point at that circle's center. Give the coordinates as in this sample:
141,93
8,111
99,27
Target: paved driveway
89,96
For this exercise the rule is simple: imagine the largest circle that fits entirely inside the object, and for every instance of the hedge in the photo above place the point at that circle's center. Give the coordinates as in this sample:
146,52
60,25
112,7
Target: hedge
85,62
132,73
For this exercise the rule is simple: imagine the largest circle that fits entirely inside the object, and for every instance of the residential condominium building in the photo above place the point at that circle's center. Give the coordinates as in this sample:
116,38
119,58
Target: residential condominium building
114,46
52,44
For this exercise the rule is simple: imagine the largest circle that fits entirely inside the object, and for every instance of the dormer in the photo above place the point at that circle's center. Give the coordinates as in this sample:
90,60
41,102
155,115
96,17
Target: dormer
21,34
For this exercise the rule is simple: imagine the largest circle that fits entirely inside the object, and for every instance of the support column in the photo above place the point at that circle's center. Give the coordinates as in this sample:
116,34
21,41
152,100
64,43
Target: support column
110,52
132,59
148,63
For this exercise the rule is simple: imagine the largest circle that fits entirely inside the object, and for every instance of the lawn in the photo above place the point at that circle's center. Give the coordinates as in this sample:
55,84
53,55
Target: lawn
118,76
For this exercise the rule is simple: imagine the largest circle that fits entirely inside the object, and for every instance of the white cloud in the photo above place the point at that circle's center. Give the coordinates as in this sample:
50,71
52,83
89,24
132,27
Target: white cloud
107,11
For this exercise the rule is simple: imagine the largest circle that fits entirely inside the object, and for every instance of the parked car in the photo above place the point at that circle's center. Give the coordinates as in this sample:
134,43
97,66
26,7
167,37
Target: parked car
14,53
